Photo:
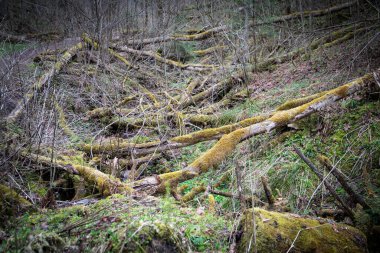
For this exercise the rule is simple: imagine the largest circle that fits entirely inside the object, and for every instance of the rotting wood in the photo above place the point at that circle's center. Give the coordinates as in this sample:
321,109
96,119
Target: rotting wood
40,84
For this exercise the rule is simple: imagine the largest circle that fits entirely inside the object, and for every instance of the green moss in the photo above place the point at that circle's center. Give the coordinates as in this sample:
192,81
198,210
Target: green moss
119,222
36,186
276,232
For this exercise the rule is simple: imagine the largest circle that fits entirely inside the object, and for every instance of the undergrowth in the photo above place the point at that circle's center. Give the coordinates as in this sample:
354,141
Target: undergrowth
118,223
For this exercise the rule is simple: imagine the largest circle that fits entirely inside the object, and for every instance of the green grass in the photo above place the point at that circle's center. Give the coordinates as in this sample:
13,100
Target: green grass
348,134
266,102
9,48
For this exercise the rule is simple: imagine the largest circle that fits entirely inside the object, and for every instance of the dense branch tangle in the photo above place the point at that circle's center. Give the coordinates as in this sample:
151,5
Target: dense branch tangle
180,37
312,13
226,145
43,81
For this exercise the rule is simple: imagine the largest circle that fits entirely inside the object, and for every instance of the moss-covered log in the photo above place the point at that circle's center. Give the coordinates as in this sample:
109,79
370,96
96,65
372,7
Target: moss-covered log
11,198
209,50
106,184
329,40
180,37
238,77
120,146
299,101
226,145
96,46
62,121
42,82
285,232
311,13
159,58
193,192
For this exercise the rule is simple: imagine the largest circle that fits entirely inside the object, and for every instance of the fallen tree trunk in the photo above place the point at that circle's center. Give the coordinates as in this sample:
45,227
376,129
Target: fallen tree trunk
11,198
157,57
96,46
226,145
180,37
265,231
121,147
209,50
105,184
312,13
225,85
43,81
329,40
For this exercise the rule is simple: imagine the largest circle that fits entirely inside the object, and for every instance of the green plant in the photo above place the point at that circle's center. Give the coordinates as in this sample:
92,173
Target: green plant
9,48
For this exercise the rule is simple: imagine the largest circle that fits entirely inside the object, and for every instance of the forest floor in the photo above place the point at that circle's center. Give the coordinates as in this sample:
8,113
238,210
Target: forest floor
92,160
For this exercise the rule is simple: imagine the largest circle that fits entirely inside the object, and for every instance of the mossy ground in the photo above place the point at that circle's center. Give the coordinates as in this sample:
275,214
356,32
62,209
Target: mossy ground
119,223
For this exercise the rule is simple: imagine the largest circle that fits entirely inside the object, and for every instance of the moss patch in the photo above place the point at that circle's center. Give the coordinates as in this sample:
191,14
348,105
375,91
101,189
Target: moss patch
119,222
